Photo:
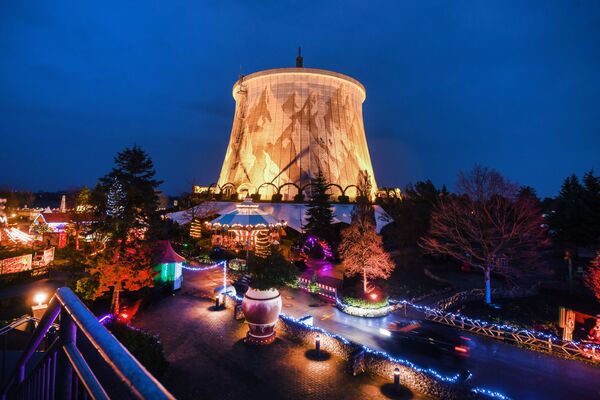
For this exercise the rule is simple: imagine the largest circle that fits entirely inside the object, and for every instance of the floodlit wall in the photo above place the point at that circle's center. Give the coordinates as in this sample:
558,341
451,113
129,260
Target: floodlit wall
290,123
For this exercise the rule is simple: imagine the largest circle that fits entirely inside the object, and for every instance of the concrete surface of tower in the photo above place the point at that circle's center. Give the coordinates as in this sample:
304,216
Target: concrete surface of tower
291,123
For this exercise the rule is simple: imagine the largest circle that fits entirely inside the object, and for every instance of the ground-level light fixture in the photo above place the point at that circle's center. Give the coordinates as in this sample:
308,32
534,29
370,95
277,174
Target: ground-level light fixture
397,378
40,298
318,344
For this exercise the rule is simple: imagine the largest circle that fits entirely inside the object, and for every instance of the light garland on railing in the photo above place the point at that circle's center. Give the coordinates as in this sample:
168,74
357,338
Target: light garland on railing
503,327
206,268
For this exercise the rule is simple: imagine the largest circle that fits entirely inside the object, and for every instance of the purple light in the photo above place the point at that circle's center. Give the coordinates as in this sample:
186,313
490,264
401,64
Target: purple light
104,318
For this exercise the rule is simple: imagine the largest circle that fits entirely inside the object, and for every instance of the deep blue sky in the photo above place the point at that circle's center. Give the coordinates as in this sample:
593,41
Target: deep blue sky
511,85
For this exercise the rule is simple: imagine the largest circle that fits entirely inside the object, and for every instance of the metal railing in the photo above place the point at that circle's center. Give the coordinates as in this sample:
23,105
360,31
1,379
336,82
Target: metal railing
84,360
25,319
523,337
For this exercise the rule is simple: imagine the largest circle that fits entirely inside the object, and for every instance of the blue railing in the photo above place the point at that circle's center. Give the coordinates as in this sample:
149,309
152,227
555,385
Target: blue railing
84,360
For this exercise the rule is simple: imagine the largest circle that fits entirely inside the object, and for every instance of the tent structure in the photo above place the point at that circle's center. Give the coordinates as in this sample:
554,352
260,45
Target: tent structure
241,226
169,264
293,213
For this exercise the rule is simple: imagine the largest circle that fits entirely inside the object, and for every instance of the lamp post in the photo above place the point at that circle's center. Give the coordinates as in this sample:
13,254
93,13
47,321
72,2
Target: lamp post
39,309
397,378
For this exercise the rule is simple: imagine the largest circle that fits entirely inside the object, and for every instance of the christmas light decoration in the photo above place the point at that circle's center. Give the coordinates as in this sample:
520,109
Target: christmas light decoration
219,264
397,360
262,244
504,327
115,199
196,228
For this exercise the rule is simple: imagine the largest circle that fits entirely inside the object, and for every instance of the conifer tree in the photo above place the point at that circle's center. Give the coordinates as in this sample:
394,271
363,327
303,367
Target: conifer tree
319,214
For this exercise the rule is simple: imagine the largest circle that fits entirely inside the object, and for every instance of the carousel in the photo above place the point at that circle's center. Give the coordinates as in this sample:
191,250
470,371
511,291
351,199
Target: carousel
243,227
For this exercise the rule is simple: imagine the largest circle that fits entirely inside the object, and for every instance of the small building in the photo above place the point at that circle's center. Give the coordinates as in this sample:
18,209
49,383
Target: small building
56,221
169,264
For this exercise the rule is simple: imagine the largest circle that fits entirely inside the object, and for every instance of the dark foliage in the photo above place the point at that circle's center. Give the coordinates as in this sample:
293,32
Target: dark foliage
576,215
144,346
272,271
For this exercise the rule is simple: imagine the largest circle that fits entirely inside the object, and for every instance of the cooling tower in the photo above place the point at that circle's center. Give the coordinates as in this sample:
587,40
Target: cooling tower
291,123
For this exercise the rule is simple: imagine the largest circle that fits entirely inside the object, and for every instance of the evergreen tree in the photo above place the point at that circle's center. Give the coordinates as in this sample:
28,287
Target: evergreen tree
576,219
413,213
591,185
319,214
83,200
126,198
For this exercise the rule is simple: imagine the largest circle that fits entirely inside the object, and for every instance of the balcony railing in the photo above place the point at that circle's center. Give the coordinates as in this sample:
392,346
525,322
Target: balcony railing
83,361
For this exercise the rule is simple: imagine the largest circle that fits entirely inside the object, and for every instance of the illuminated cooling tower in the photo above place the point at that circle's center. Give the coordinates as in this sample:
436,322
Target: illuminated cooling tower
291,123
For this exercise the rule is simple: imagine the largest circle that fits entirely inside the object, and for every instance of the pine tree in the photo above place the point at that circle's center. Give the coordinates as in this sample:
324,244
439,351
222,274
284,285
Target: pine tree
126,198
319,214
574,220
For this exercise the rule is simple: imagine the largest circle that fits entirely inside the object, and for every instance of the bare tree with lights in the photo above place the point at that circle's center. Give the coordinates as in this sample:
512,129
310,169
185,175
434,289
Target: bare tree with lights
361,248
592,277
487,225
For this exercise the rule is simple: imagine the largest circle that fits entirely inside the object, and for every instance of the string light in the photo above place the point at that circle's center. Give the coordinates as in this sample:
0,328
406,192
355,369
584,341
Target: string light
389,357
196,228
220,264
503,327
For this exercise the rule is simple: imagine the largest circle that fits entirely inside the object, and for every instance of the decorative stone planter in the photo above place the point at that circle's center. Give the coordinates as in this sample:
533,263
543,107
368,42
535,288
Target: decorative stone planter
363,312
261,310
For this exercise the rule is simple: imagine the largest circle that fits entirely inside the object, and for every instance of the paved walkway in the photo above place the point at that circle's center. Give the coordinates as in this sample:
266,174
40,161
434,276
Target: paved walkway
209,360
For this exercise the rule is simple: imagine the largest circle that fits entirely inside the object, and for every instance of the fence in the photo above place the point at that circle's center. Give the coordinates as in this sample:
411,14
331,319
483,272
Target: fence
75,366
531,339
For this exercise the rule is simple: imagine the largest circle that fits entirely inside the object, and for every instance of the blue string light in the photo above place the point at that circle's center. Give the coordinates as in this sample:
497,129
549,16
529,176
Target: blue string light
219,264
503,327
389,357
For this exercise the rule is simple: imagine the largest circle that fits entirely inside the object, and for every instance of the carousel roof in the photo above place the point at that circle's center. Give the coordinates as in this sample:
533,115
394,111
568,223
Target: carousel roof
293,213
166,254
246,215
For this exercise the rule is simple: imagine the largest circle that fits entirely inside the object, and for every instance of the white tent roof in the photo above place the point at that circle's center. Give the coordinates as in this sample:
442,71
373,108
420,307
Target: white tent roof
293,213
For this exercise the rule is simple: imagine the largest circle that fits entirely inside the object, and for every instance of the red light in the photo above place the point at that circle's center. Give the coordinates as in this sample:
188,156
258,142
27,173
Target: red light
124,315
461,349
373,296
465,338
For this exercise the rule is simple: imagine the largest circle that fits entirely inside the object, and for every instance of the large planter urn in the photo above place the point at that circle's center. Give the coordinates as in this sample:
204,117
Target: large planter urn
261,310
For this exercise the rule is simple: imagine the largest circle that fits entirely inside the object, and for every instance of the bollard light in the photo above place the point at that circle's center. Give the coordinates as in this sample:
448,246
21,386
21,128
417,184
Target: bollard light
397,378
318,344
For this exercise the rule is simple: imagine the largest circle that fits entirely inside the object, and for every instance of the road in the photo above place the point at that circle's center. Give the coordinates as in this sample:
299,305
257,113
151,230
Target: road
516,372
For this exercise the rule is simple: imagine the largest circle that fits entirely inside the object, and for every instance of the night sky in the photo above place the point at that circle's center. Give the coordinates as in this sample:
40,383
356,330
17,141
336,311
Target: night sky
510,85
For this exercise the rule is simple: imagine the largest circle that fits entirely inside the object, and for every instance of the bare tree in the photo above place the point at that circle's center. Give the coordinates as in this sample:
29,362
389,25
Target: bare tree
361,247
486,224
592,277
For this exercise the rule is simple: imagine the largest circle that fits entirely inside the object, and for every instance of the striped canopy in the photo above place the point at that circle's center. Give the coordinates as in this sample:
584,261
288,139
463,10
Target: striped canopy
246,215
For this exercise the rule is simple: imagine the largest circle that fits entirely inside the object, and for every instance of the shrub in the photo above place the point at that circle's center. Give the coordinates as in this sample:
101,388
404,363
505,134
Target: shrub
144,346
364,303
